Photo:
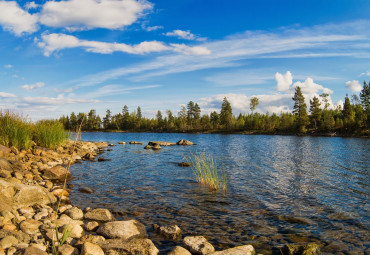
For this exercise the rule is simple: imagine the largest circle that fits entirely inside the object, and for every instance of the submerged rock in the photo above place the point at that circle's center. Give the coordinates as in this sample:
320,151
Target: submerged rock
134,142
184,142
184,164
121,142
295,249
152,143
86,190
101,159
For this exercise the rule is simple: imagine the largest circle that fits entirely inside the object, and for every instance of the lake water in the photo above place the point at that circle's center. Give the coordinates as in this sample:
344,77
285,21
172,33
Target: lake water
281,189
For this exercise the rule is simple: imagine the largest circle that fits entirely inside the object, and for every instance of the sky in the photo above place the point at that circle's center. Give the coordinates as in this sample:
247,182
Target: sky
58,57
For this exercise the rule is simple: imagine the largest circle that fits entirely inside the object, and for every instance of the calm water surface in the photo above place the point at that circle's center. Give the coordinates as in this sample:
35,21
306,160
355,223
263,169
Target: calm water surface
281,189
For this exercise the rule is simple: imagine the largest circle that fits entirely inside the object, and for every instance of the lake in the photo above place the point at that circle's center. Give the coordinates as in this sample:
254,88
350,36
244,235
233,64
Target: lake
281,189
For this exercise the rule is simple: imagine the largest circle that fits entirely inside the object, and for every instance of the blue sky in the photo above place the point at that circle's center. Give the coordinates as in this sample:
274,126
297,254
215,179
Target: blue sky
62,56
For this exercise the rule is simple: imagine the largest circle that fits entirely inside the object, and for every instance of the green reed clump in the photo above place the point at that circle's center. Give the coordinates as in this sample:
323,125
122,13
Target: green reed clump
15,131
206,171
49,133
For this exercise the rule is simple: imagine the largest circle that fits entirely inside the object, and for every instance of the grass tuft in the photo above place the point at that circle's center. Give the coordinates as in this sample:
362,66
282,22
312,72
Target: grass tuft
206,172
49,133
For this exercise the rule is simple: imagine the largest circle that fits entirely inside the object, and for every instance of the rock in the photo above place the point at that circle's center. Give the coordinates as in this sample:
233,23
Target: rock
148,147
133,142
8,241
307,249
101,159
76,230
92,239
170,232
11,251
198,245
66,249
184,142
75,213
4,150
56,173
121,142
30,226
33,251
14,196
161,143
28,211
19,235
122,229
156,147
184,164
99,214
18,175
2,251
91,226
14,150
133,246
245,250
10,227
64,219
84,189
91,249
5,164
60,193
178,250
5,174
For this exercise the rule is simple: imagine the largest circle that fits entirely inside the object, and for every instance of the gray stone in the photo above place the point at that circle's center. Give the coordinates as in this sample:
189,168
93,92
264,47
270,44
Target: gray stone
91,249
133,246
178,250
75,213
122,229
198,245
99,214
239,250
86,190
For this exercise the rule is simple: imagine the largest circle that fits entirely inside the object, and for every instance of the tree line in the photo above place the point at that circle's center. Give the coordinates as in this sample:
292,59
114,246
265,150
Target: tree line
320,118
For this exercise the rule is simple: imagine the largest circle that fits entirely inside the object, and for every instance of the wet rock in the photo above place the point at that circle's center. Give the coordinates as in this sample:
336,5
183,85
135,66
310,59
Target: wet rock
75,213
156,147
140,246
178,250
56,173
161,143
66,249
111,144
307,249
91,249
170,232
121,142
8,241
184,164
86,190
148,147
198,245
33,251
245,250
99,214
134,142
184,142
30,226
102,159
122,229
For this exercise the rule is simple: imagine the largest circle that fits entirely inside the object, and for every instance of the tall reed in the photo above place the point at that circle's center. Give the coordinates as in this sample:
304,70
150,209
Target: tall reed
15,131
49,133
206,171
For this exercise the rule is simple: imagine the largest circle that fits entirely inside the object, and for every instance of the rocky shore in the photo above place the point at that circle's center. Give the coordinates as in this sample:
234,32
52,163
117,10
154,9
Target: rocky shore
30,186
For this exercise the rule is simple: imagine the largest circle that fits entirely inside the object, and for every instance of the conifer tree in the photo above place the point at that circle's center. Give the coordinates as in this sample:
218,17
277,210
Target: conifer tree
315,111
300,110
226,115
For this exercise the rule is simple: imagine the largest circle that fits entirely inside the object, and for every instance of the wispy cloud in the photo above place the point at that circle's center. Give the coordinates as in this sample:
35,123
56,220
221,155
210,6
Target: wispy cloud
187,35
113,89
8,66
30,87
55,100
7,95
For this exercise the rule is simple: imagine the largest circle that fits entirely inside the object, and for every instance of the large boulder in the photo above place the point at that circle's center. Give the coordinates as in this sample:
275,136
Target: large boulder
245,250
14,196
56,173
134,142
99,214
184,142
122,229
140,246
198,245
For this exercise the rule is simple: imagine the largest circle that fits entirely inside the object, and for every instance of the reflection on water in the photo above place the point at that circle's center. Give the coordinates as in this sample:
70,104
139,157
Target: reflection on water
281,189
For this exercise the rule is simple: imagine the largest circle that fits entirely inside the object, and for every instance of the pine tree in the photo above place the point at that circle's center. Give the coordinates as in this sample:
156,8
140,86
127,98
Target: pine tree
226,115
300,110
348,114
254,103
315,111
365,96
107,119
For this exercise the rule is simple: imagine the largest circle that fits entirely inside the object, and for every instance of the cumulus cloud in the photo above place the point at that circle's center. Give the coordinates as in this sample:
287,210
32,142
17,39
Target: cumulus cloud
187,35
31,5
88,14
283,81
7,95
353,86
16,20
55,42
30,87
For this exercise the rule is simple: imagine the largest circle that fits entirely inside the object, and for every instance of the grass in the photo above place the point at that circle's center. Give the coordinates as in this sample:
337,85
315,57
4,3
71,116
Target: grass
17,131
206,171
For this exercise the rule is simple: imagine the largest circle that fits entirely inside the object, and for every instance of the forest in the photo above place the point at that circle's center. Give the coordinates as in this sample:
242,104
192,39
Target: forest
318,118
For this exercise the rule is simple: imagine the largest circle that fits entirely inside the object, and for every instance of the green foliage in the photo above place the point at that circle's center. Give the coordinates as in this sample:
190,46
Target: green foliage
15,131
49,133
254,103
315,111
300,110
226,115
206,172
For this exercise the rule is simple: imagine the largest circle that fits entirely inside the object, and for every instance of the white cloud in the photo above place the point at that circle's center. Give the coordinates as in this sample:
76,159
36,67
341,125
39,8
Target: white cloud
367,73
7,95
30,87
283,81
187,35
31,5
60,100
88,14
14,19
353,86
152,28
8,66
55,42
